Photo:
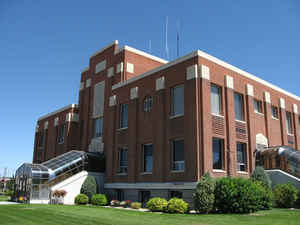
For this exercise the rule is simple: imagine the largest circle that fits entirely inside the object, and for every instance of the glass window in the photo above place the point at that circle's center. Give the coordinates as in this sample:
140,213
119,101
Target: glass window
178,154
61,133
257,106
41,140
241,156
175,194
216,99
274,112
98,127
124,116
239,106
148,157
177,101
123,160
148,104
218,153
289,123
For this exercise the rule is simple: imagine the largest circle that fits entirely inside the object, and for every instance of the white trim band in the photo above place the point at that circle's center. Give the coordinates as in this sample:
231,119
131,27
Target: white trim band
153,185
58,111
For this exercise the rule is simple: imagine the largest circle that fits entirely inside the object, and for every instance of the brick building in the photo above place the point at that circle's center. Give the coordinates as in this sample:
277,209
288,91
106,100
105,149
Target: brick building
161,125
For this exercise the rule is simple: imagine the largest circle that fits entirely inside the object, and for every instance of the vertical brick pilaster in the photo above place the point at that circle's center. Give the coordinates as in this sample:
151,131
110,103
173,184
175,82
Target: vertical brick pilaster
110,147
282,114
296,129
251,132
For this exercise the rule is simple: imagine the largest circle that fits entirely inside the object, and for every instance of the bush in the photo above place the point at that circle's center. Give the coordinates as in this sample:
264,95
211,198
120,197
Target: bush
115,203
81,199
89,187
204,196
157,204
99,199
239,195
259,174
177,205
297,204
285,195
266,196
136,205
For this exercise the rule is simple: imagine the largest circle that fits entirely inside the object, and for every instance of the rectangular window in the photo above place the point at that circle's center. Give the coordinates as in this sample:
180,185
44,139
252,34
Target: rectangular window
61,134
41,140
123,160
175,194
274,112
289,123
241,156
257,106
216,99
177,100
299,122
218,153
124,116
98,127
147,158
239,107
178,154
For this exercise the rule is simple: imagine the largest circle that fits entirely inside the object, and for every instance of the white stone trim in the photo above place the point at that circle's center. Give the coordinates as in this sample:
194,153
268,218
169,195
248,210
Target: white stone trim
152,185
192,72
81,86
267,97
204,72
56,121
71,106
106,47
139,52
250,90
295,108
46,125
72,117
100,66
134,93
85,69
88,82
130,68
160,83
120,67
282,103
112,100
110,72
229,82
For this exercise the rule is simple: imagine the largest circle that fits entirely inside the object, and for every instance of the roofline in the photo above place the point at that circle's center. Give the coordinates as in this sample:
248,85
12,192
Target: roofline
142,53
106,47
213,59
85,69
58,111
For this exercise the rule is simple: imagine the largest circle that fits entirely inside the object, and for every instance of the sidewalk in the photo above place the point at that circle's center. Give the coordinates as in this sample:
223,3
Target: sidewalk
8,203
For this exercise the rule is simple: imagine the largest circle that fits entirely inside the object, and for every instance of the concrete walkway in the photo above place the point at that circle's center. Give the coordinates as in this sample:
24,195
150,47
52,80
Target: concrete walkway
8,203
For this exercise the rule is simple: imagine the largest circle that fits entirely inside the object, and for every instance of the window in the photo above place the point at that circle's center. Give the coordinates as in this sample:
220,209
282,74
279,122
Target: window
144,197
98,127
178,154
218,153
124,116
239,107
274,112
147,158
123,160
216,99
175,194
61,134
41,140
177,100
148,104
257,106
241,156
299,122
289,123
120,195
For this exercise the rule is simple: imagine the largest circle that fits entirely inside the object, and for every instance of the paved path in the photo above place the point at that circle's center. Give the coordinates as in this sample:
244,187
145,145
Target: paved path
8,203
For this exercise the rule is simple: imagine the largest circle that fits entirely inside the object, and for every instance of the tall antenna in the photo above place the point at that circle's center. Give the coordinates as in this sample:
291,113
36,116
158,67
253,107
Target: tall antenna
178,30
167,50
150,46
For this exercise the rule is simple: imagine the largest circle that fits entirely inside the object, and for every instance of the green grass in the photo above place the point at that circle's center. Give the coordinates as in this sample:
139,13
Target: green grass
59,214
3,198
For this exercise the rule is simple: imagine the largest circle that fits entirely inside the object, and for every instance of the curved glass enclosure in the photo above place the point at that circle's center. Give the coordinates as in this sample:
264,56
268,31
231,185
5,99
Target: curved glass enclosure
284,158
33,181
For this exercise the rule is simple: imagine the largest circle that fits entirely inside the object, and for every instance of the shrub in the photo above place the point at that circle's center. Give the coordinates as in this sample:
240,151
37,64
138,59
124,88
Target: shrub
115,203
239,195
135,205
177,205
157,204
266,196
81,199
297,204
204,196
89,187
259,174
99,199
285,195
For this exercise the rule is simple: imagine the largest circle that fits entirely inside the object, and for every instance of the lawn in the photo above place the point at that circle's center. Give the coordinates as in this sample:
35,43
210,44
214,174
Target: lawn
3,198
59,214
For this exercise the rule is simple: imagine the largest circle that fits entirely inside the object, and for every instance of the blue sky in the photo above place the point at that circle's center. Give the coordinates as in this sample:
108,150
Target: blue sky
45,44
